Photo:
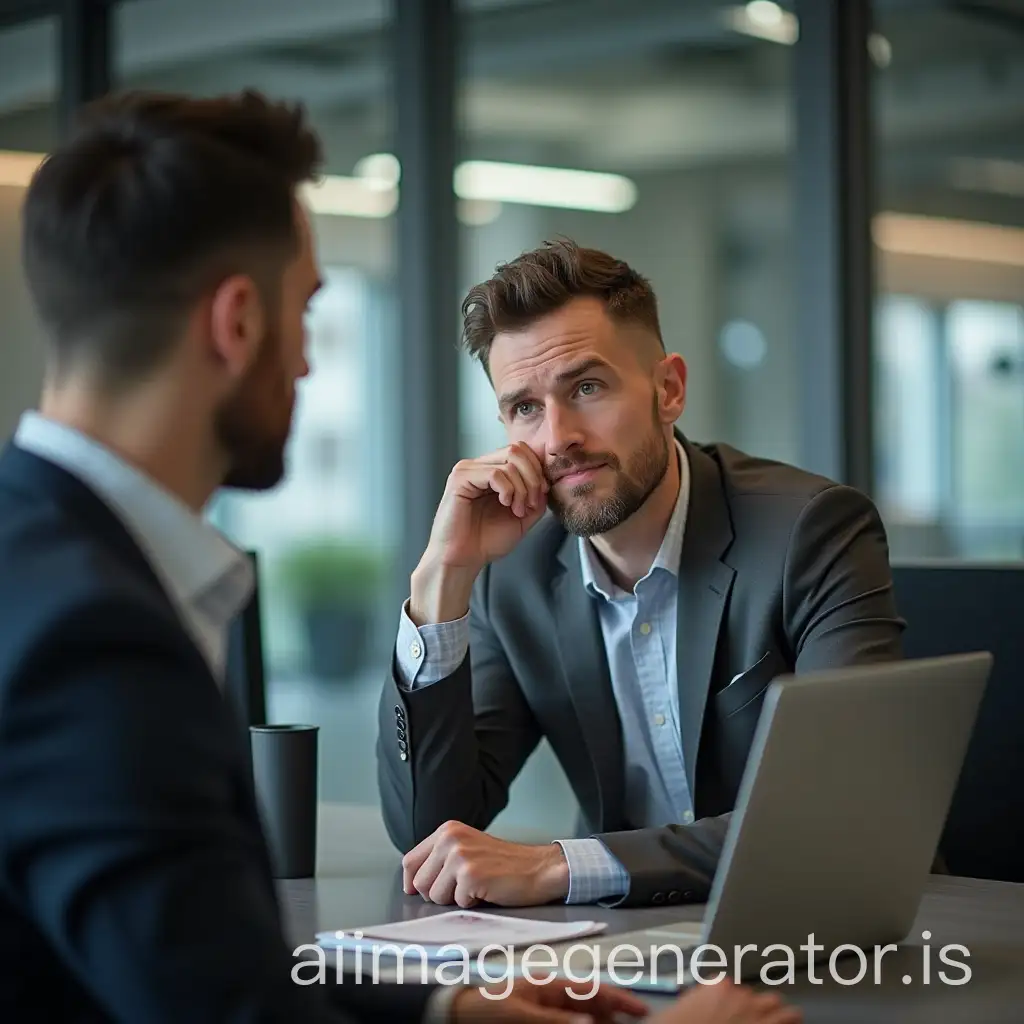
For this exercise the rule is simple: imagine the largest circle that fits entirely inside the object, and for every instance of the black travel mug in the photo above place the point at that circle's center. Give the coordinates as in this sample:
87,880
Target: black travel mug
284,765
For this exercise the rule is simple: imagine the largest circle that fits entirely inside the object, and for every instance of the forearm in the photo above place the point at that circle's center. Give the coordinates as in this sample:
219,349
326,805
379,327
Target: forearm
439,592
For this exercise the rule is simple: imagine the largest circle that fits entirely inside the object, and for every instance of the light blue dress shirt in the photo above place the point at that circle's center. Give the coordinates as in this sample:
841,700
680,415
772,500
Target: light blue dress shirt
639,633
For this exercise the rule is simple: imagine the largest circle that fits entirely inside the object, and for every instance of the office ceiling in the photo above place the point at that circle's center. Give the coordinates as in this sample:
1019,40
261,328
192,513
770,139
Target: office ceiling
630,85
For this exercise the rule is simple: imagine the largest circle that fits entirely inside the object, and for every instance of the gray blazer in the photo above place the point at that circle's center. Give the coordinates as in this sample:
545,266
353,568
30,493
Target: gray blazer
780,571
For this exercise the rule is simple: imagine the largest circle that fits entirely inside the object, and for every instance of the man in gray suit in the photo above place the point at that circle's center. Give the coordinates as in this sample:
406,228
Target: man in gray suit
608,584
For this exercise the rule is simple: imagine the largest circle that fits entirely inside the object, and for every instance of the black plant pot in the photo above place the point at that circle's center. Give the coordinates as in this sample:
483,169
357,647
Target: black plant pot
337,639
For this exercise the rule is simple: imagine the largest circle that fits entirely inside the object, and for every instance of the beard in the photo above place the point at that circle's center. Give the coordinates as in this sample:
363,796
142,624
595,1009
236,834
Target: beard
254,424
584,515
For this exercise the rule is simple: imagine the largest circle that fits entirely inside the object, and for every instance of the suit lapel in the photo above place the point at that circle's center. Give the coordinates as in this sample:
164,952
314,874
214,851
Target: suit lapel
585,665
704,585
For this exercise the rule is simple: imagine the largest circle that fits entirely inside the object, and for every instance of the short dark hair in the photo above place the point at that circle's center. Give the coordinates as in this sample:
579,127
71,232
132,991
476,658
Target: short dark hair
153,200
542,281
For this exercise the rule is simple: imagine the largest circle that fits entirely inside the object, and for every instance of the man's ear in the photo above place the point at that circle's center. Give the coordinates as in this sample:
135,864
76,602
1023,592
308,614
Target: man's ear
672,373
237,323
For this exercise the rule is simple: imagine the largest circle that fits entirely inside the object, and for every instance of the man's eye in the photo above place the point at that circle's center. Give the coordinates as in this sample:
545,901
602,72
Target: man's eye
589,387
524,408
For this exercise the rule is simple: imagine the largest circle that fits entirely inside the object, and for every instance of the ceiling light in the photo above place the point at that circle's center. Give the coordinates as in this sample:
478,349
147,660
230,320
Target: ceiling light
940,238
381,170
544,186
880,49
373,191
764,12
17,168
349,197
333,194
763,19
493,182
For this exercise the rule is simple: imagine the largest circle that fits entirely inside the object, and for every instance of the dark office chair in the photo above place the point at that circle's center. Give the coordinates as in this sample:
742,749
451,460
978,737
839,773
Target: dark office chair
953,607
246,682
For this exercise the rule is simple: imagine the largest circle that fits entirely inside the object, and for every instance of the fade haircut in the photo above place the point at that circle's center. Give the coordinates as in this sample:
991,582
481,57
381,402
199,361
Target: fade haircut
544,280
152,202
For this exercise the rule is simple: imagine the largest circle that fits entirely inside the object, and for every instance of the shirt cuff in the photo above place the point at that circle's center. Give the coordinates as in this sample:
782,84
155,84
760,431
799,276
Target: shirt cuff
427,654
594,872
439,1004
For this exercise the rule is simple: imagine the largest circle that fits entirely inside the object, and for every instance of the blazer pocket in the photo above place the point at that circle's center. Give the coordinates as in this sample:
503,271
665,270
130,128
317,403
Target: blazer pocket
748,685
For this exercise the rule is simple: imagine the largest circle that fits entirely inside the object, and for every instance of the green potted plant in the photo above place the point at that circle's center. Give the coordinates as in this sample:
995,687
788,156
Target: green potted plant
334,585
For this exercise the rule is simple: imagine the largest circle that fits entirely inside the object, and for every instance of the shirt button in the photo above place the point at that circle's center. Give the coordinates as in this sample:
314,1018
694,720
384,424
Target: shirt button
659,719
415,650
688,818
645,628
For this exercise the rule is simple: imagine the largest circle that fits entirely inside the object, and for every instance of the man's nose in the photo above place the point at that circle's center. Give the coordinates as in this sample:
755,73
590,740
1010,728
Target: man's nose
562,431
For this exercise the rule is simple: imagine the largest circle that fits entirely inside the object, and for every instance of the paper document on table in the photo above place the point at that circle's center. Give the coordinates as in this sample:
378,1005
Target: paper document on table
446,936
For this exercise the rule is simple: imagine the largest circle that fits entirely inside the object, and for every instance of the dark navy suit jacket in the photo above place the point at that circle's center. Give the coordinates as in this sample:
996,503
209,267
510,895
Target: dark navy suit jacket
134,879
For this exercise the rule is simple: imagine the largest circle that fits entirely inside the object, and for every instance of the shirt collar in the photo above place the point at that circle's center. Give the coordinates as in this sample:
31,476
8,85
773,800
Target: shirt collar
595,576
197,563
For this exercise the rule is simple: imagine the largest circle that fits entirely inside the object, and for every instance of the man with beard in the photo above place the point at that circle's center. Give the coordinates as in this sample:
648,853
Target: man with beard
171,263
607,584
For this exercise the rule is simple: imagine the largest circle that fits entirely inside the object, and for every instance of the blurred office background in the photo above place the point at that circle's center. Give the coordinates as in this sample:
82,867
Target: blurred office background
827,195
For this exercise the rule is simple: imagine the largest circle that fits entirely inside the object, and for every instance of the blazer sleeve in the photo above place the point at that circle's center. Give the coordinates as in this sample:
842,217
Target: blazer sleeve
839,610
127,839
449,751
669,864
839,606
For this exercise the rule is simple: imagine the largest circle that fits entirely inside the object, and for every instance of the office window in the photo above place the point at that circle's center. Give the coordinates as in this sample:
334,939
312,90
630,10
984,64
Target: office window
986,350
28,86
949,233
909,411
326,534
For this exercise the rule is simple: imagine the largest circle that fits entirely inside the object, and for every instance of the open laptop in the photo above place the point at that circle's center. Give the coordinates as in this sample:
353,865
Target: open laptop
845,793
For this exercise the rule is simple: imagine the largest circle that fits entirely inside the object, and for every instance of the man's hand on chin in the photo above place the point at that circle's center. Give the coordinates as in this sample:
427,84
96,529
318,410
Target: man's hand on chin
459,864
